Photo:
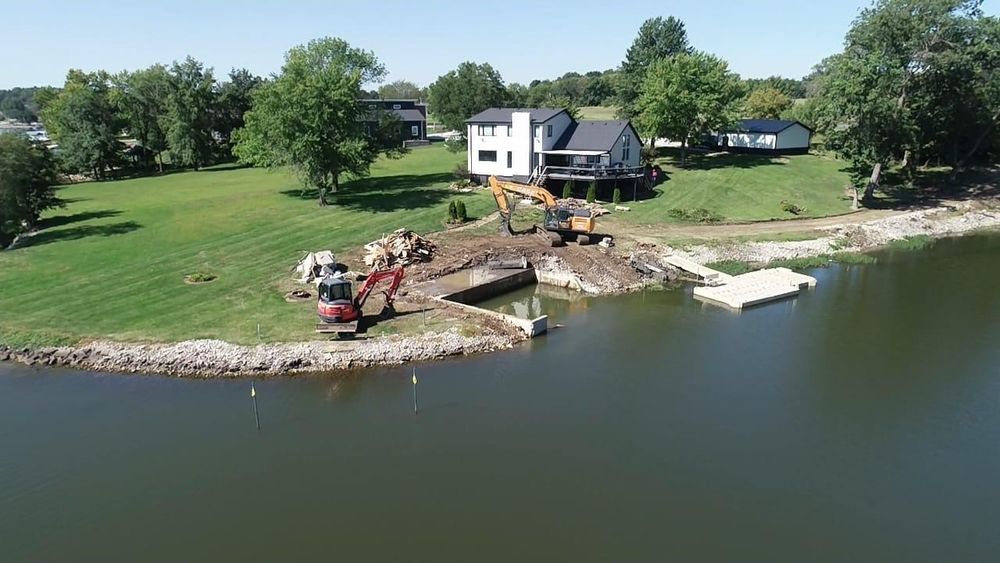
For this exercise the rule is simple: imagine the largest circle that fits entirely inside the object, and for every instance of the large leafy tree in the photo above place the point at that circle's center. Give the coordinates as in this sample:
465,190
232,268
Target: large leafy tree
917,79
189,117
401,90
658,38
686,96
27,180
232,100
464,92
85,124
766,103
140,98
309,117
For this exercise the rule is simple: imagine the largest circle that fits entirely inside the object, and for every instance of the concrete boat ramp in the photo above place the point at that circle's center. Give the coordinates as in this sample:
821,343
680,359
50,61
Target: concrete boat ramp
464,289
744,290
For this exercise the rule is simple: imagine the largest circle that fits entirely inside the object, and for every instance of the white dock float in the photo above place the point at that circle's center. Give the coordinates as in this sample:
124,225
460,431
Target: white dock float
744,290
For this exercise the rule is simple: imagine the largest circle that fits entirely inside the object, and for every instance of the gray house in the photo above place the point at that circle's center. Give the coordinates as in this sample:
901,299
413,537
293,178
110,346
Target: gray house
536,144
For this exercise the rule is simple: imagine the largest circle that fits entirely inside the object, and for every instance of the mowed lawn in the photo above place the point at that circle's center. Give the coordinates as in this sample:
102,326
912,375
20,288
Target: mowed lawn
743,187
112,263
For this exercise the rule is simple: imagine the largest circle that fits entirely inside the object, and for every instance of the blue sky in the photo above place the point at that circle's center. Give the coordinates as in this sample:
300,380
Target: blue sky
417,41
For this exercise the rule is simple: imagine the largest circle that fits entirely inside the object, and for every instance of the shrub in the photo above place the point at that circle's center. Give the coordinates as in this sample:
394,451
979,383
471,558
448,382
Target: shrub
461,171
567,189
616,196
452,212
199,277
460,211
592,192
789,207
699,215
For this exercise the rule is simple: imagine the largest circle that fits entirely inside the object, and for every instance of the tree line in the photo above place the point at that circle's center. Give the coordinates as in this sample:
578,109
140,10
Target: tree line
917,83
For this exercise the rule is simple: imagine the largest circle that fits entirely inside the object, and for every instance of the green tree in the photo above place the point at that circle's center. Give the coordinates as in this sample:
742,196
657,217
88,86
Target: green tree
233,99
616,196
461,212
401,90
567,191
464,92
83,121
27,180
766,103
687,96
592,192
309,118
658,39
452,212
190,106
917,78
140,100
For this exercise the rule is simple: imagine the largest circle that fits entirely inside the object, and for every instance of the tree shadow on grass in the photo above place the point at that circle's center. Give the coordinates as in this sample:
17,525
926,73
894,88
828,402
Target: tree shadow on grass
83,231
385,193
703,160
931,188
60,220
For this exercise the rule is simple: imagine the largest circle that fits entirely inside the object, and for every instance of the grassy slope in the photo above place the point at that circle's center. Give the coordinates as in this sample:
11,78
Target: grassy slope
746,187
112,263
597,112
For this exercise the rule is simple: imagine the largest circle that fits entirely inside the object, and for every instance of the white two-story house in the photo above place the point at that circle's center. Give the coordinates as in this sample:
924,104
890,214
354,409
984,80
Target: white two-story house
540,143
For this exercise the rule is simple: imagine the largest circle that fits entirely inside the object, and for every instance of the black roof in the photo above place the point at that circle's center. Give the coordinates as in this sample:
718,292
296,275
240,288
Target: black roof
593,135
503,115
767,125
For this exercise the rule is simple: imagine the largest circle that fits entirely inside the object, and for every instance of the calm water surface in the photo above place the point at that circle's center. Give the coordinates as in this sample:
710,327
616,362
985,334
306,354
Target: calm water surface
860,421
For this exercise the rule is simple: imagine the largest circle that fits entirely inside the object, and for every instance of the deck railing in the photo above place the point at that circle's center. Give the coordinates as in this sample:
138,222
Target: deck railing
591,172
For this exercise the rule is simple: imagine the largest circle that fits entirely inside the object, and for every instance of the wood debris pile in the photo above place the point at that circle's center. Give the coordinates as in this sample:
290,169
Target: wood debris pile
402,246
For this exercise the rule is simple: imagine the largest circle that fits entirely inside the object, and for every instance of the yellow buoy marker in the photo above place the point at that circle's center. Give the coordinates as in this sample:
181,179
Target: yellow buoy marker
253,397
414,390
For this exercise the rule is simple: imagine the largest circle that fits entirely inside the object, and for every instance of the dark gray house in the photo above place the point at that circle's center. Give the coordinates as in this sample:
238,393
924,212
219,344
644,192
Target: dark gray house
412,113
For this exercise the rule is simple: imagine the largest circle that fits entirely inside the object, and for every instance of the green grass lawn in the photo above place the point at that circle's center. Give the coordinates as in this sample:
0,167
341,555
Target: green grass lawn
742,187
112,263
598,112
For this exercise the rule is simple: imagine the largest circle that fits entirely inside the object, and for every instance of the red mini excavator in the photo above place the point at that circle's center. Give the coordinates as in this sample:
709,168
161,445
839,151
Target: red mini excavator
339,312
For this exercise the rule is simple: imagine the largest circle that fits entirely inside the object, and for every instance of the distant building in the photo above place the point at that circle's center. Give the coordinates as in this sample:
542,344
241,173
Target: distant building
534,144
412,113
766,136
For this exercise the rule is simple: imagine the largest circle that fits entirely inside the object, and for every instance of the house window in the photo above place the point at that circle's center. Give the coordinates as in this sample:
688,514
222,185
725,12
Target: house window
626,140
510,130
548,130
510,159
397,106
625,154
414,130
487,156
487,130
538,131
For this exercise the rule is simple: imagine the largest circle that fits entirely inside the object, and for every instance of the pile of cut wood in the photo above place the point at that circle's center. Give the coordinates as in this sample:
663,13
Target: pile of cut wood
402,246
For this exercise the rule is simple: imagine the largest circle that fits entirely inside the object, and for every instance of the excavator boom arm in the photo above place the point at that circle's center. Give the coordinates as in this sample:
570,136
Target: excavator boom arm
396,274
501,188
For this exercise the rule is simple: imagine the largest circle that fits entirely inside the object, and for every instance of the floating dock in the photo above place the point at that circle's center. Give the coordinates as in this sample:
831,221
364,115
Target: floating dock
744,290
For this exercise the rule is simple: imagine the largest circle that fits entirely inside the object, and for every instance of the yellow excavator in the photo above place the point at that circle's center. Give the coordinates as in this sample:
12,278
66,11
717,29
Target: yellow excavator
561,223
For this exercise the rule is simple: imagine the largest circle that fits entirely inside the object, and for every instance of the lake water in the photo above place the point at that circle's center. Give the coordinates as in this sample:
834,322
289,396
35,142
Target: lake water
860,421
